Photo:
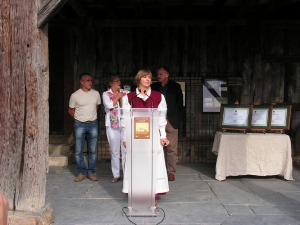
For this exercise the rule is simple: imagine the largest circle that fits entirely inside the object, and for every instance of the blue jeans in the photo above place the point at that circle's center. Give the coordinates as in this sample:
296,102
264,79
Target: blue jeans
88,132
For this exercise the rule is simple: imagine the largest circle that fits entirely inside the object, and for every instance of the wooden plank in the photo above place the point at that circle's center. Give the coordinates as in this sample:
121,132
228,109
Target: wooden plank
138,8
24,122
212,40
123,49
78,7
274,6
185,52
47,10
188,8
165,45
281,58
223,50
216,7
169,23
8,116
203,49
246,6
110,6
113,51
249,50
162,6
283,24
172,61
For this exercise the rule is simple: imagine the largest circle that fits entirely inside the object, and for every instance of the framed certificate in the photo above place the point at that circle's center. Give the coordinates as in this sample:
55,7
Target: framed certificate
281,117
261,117
235,116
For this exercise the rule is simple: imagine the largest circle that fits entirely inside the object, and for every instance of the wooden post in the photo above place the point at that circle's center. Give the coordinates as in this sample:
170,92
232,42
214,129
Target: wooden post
24,113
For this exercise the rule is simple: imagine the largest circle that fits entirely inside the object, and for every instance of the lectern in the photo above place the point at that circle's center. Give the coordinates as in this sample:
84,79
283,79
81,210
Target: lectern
142,144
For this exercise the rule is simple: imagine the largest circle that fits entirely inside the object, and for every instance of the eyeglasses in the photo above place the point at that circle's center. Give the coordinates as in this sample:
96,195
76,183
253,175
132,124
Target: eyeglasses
117,81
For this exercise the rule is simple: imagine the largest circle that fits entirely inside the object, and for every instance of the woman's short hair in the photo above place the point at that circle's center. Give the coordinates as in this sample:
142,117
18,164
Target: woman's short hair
140,74
110,80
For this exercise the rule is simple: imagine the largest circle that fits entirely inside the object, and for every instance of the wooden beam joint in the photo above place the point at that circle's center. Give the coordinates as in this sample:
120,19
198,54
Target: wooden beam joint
47,10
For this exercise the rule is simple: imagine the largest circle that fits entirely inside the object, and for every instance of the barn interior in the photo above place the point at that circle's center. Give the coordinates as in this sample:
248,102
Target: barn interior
254,45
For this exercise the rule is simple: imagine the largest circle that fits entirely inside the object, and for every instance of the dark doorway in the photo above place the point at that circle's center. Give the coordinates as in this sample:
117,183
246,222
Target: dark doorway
56,68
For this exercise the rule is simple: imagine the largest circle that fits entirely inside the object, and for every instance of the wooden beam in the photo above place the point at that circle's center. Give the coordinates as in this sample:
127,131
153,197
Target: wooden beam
62,13
162,5
188,8
245,7
138,8
281,24
172,23
79,8
274,6
47,10
216,7
281,58
110,6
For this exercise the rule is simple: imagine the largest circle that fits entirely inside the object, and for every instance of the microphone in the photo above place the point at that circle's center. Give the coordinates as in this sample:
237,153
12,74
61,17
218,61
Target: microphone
145,92
135,97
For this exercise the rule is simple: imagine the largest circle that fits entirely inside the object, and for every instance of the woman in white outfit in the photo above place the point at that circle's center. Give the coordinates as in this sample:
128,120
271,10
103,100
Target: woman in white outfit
140,99
112,101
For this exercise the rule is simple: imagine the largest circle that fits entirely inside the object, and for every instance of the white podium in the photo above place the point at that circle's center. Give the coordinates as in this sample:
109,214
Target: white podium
142,144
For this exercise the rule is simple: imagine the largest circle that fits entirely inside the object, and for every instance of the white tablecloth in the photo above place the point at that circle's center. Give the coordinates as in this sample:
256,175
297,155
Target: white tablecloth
252,154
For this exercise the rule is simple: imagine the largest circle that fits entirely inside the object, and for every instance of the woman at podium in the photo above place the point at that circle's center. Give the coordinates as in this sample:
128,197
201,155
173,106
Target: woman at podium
144,97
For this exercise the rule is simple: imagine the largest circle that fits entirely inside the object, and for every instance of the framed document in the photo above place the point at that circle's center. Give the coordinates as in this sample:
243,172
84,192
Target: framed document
141,128
235,116
281,116
215,93
261,117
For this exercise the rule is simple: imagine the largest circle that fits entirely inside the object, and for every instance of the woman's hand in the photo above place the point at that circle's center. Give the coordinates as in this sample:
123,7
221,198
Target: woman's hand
120,95
124,144
164,141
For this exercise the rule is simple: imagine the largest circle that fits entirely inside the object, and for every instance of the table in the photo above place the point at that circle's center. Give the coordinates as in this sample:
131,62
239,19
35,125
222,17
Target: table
252,154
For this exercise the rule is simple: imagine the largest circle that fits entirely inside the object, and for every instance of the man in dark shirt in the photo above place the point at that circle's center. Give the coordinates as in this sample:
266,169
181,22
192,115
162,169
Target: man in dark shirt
174,98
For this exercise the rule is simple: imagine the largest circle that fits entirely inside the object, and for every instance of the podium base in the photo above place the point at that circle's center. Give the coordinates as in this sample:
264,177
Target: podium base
149,212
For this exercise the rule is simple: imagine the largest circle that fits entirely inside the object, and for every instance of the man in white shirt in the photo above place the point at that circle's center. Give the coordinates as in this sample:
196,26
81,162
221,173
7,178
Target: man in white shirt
83,106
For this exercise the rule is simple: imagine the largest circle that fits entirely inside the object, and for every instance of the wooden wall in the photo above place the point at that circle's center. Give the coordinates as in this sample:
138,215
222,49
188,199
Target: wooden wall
262,60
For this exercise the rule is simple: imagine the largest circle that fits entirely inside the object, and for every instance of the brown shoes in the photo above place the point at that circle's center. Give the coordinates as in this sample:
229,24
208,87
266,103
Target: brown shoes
79,177
92,177
114,180
171,177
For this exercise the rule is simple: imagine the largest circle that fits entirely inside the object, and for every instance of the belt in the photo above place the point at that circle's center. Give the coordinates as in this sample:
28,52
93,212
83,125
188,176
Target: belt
89,121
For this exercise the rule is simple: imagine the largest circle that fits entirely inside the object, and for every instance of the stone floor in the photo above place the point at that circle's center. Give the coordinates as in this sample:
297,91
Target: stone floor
195,198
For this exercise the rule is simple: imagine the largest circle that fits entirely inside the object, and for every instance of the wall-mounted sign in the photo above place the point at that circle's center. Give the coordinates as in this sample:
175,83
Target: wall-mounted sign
141,128
214,94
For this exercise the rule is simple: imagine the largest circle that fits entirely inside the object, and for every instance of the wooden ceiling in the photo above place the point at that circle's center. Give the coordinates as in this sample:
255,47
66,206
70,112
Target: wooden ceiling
181,9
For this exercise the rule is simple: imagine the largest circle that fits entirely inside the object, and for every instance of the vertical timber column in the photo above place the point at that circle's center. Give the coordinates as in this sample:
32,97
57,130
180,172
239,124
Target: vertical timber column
24,90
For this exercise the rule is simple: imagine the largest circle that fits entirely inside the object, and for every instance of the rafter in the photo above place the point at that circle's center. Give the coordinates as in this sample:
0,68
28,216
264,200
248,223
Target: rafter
274,6
188,8
162,5
246,6
110,6
47,10
78,7
216,7
138,8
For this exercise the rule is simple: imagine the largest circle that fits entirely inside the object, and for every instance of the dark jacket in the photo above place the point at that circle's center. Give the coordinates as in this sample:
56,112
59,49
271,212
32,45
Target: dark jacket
174,99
